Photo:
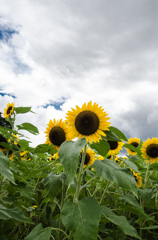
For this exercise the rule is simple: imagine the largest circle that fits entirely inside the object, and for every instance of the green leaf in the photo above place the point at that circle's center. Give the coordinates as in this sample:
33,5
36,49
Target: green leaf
145,194
53,184
22,109
151,227
132,200
83,217
69,153
39,233
118,133
132,148
43,148
123,177
23,144
102,147
5,169
12,213
130,164
120,221
28,127
110,136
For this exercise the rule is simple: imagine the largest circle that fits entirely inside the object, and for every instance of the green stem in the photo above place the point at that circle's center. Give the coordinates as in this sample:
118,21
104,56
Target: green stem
105,190
62,203
76,195
142,203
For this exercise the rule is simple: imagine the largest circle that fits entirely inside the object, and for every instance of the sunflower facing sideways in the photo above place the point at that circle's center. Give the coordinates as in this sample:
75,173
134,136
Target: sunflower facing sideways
115,147
89,121
138,178
134,142
8,110
56,133
89,158
150,150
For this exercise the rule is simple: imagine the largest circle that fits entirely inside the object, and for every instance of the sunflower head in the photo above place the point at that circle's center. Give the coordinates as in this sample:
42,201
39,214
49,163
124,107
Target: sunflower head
134,142
89,121
115,147
89,157
8,110
150,150
56,133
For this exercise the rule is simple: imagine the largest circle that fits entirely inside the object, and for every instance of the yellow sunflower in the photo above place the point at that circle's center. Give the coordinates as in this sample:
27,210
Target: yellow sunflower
134,142
89,121
150,150
138,178
8,110
115,147
99,157
56,133
89,158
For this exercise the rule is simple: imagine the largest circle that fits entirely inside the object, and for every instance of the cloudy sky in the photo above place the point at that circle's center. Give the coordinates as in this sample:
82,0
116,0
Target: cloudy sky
57,54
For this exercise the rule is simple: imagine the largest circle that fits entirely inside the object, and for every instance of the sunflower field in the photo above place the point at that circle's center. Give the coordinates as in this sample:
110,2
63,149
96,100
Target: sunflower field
75,186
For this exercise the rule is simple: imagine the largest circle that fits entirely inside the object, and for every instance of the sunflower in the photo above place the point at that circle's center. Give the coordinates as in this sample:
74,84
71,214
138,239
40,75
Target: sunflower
99,157
134,142
89,121
89,157
8,110
115,147
138,178
150,150
56,133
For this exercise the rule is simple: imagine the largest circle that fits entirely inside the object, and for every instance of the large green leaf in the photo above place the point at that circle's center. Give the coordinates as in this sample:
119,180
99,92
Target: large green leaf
69,153
53,184
28,127
23,144
12,213
102,147
111,136
118,133
123,177
132,148
121,222
22,109
145,194
5,169
39,233
83,217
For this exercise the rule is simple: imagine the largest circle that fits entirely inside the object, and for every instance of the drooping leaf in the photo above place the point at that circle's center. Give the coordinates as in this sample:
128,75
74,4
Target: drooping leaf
53,184
23,144
132,148
43,148
83,217
5,169
28,127
118,133
130,164
22,109
132,200
39,233
12,213
102,147
123,177
111,136
120,221
69,153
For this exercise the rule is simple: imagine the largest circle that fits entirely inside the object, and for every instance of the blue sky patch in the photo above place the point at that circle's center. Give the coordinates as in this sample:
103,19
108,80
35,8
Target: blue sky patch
56,105
6,33
6,94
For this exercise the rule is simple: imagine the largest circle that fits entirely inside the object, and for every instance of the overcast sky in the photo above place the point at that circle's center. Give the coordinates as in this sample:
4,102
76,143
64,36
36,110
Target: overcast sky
57,54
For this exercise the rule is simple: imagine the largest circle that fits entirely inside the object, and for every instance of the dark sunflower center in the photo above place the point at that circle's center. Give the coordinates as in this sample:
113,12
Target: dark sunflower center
57,135
152,150
87,123
113,145
9,110
87,158
2,139
135,144
135,178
